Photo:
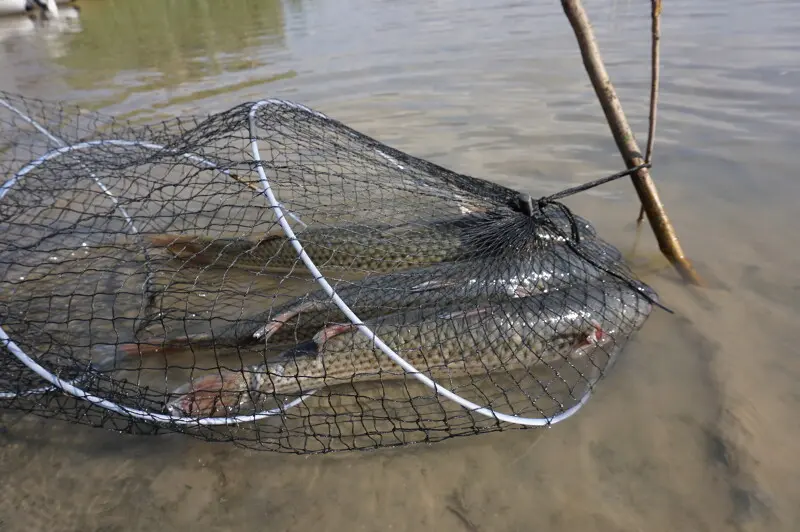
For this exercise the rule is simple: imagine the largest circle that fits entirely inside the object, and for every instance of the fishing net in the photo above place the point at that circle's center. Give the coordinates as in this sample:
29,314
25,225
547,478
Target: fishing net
268,276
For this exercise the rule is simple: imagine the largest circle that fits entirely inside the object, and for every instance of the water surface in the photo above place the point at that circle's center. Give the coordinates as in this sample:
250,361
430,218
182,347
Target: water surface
694,429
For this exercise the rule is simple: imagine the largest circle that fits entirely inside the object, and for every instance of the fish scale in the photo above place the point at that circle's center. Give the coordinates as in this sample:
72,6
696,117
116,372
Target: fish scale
378,248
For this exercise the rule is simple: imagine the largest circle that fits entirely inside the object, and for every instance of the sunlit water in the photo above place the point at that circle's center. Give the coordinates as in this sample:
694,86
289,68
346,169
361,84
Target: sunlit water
696,427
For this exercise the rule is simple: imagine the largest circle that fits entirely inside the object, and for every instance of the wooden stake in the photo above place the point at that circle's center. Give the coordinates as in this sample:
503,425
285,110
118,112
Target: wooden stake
642,182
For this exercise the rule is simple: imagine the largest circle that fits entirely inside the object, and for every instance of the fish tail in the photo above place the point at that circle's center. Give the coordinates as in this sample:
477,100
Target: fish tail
196,249
112,356
210,395
330,331
275,324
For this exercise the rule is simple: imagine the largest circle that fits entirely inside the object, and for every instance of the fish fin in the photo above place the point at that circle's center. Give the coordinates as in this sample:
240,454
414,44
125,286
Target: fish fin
431,285
523,291
465,313
264,333
332,330
273,233
209,395
309,348
189,247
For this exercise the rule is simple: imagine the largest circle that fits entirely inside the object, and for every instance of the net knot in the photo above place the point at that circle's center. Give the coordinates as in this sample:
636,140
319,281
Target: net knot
524,203
536,209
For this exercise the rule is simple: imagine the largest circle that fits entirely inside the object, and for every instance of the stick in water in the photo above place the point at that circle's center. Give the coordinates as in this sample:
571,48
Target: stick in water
621,131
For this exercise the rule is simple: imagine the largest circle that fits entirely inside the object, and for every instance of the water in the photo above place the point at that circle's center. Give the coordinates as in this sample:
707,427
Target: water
694,430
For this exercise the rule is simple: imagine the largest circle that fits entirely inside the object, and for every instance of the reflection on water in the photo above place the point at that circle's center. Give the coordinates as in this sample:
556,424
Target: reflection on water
152,44
694,429
181,51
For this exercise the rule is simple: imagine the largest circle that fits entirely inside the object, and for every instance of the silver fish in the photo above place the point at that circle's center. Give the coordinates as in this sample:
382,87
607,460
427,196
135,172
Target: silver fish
491,279
462,340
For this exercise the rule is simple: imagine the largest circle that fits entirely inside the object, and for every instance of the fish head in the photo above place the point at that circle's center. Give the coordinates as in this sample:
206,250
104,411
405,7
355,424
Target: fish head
620,306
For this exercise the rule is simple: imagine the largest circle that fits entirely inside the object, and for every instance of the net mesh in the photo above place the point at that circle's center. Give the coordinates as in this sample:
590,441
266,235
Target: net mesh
269,276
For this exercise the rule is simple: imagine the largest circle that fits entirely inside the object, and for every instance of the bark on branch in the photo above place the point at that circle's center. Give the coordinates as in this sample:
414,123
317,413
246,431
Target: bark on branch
642,182
655,61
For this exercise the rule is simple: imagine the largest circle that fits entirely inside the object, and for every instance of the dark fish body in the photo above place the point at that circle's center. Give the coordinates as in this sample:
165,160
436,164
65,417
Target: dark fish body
460,340
491,279
379,247
354,248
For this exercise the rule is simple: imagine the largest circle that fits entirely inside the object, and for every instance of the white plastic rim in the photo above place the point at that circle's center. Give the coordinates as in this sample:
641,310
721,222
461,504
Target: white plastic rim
388,351
77,392
70,387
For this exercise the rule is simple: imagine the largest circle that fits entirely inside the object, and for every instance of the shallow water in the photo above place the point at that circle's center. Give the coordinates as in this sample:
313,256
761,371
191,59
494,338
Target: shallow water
694,428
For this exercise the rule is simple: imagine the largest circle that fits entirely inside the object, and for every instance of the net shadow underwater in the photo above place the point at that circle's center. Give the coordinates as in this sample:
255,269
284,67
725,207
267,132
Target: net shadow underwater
270,277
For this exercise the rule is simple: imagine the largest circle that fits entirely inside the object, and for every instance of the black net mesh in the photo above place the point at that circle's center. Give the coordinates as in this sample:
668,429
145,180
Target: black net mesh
268,276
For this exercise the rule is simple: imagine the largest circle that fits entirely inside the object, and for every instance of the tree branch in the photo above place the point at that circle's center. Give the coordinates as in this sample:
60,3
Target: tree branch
626,143
655,53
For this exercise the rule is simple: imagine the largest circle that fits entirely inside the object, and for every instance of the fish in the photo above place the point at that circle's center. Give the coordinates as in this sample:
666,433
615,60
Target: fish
459,341
443,284
491,279
372,247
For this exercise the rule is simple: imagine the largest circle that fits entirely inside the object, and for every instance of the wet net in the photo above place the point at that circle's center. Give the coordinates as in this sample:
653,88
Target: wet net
269,276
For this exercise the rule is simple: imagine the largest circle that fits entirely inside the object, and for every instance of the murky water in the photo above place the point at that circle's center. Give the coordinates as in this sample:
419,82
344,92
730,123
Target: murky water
694,430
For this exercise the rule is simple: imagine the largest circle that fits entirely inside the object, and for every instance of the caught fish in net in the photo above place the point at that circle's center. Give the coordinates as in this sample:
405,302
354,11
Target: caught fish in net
269,276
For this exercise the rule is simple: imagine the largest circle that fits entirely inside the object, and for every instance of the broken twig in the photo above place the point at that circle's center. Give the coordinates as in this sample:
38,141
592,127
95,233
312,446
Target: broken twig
655,53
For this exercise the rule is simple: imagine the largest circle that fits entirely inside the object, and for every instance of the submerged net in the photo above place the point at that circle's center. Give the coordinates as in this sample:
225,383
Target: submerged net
268,276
